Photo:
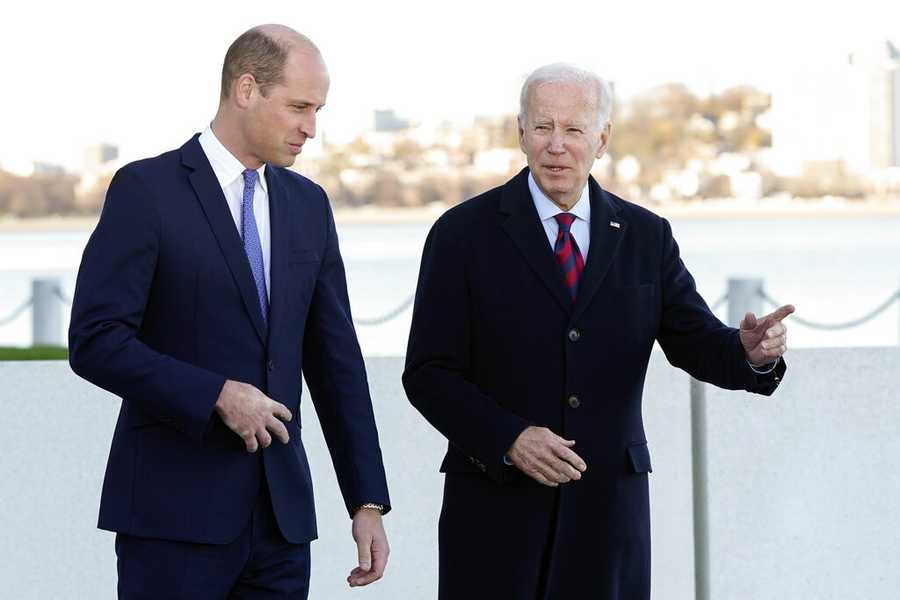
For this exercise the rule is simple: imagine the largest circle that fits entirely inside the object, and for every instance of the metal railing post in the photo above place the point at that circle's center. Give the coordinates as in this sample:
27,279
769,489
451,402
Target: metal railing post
700,490
744,295
46,313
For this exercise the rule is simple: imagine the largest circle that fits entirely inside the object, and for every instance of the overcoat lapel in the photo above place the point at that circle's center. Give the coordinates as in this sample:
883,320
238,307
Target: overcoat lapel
523,225
607,231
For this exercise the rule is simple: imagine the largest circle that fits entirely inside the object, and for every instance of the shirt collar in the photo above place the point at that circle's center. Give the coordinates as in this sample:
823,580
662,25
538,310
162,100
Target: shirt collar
226,167
547,209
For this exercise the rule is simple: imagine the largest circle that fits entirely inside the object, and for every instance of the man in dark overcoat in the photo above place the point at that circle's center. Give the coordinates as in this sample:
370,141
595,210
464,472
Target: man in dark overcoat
537,307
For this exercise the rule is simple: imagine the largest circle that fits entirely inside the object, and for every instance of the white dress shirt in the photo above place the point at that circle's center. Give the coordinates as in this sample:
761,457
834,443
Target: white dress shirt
547,210
230,173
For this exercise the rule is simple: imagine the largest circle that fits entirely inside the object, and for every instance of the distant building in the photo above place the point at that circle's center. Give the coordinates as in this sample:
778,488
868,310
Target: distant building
387,121
846,112
100,162
98,155
48,169
31,168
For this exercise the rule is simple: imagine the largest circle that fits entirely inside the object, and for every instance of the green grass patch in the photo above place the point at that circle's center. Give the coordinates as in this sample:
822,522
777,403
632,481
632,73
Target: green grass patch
34,353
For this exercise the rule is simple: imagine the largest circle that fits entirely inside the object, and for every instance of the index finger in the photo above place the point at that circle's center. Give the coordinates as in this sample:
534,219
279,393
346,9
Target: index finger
281,411
782,312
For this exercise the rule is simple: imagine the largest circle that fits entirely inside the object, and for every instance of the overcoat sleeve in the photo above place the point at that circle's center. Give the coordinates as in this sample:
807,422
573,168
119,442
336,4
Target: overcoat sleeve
693,338
438,359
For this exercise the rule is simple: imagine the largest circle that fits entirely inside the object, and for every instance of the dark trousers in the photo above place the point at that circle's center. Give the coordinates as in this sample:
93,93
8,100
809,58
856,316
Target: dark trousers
260,563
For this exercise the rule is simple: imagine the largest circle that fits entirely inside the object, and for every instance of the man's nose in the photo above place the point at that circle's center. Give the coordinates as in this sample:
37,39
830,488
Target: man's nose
557,143
308,126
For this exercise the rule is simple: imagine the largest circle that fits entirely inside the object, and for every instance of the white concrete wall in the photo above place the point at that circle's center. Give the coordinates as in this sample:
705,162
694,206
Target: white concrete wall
804,486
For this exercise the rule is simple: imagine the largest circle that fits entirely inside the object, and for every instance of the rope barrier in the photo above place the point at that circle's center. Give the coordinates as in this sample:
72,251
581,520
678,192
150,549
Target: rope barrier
387,316
836,326
59,294
15,314
396,312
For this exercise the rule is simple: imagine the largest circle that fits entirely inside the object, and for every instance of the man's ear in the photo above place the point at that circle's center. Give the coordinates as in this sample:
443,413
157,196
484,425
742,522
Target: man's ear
604,140
244,90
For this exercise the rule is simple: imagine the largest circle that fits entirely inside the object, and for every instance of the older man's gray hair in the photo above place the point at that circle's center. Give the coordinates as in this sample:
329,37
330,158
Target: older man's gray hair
565,72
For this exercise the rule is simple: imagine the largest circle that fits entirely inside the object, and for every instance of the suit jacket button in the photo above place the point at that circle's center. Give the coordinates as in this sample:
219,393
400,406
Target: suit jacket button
270,365
574,335
574,402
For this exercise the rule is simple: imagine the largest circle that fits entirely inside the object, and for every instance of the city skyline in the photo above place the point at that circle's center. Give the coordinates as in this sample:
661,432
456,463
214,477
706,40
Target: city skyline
102,72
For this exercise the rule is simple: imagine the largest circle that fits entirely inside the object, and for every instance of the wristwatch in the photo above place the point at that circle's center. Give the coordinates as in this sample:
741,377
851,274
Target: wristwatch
371,505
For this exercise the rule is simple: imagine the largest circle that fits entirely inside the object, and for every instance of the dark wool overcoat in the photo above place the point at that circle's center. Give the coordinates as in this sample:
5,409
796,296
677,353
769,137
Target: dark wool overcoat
497,345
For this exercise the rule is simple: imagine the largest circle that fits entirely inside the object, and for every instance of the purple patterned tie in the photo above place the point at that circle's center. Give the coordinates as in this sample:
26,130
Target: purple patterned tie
252,245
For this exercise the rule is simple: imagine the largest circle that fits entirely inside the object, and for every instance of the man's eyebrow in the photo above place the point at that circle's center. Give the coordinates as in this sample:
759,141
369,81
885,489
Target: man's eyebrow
303,101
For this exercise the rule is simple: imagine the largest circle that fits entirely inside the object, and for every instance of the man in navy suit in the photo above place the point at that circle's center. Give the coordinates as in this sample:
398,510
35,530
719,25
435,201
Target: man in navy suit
537,307
213,277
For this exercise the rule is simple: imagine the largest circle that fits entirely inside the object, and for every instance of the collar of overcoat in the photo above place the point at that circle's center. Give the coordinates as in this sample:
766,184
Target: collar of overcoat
524,227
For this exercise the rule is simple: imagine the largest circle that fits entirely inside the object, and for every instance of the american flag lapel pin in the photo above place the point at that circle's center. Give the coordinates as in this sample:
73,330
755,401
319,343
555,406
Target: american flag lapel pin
615,224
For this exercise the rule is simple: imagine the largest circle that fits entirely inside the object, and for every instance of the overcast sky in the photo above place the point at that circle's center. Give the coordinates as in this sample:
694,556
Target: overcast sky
145,76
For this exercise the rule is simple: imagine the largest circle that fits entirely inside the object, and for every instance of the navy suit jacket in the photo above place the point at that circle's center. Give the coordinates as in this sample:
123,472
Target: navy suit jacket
497,345
165,310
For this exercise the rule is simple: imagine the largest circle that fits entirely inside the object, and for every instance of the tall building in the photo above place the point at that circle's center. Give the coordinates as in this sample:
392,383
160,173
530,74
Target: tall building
844,112
880,69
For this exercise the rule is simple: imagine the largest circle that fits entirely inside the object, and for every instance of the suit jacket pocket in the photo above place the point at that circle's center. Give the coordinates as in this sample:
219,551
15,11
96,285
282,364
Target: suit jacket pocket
639,458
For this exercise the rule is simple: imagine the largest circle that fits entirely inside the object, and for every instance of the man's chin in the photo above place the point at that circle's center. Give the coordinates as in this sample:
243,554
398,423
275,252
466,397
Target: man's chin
555,188
284,161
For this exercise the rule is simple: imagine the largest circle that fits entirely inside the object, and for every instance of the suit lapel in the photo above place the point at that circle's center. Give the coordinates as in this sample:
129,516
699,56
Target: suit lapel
605,239
279,220
523,225
215,207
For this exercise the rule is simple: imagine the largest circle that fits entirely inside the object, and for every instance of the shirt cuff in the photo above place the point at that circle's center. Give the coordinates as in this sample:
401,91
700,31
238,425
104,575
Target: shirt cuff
765,369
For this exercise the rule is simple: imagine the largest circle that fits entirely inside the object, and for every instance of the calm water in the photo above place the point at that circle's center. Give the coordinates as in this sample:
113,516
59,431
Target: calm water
834,269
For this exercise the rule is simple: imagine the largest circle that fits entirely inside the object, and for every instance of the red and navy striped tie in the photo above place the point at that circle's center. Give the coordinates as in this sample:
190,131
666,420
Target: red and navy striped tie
567,253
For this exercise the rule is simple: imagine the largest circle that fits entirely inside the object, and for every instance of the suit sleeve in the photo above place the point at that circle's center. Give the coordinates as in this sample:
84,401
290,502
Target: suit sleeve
694,339
111,294
336,375
438,361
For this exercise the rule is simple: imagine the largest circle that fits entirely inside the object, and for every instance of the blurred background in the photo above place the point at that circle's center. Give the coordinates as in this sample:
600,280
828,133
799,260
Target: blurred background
769,133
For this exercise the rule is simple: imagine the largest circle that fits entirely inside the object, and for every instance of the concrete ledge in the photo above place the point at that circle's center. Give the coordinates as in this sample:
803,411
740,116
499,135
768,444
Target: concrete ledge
803,486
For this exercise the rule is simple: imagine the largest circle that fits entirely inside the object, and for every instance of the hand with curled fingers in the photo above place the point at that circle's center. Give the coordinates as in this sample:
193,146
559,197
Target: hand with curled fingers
371,546
765,339
546,457
252,415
